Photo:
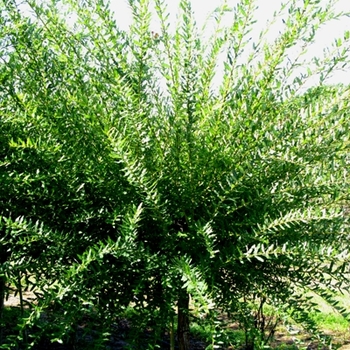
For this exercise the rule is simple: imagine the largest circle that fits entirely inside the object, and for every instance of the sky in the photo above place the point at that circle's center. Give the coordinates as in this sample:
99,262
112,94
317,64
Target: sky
202,8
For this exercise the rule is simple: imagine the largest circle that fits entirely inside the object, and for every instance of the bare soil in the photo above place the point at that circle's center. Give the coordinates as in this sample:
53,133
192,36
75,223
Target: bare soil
118,338
122,328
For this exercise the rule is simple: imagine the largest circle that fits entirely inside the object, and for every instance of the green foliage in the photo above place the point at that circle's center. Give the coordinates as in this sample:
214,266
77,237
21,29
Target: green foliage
134,172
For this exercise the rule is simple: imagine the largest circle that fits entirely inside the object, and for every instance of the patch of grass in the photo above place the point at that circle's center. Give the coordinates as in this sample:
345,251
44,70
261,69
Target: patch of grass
226,337
288,347
328,319
202,331
332,322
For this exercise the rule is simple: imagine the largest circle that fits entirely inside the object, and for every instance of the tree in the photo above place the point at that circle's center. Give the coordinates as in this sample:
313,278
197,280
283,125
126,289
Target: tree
140,182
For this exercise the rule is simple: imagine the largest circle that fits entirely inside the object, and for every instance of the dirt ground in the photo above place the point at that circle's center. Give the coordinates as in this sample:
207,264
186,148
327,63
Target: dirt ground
117,339
13,300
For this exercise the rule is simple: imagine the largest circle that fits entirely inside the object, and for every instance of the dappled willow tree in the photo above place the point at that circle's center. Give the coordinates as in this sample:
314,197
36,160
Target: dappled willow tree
131,177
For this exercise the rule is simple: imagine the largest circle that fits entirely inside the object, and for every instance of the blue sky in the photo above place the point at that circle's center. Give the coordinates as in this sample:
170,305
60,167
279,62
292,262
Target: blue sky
265,11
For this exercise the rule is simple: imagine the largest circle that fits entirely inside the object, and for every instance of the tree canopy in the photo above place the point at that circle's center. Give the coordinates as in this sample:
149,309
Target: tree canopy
128,179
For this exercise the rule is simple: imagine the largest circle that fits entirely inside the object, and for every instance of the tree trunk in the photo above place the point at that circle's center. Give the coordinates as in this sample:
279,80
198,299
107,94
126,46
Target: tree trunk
2,300
183,323
172,334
